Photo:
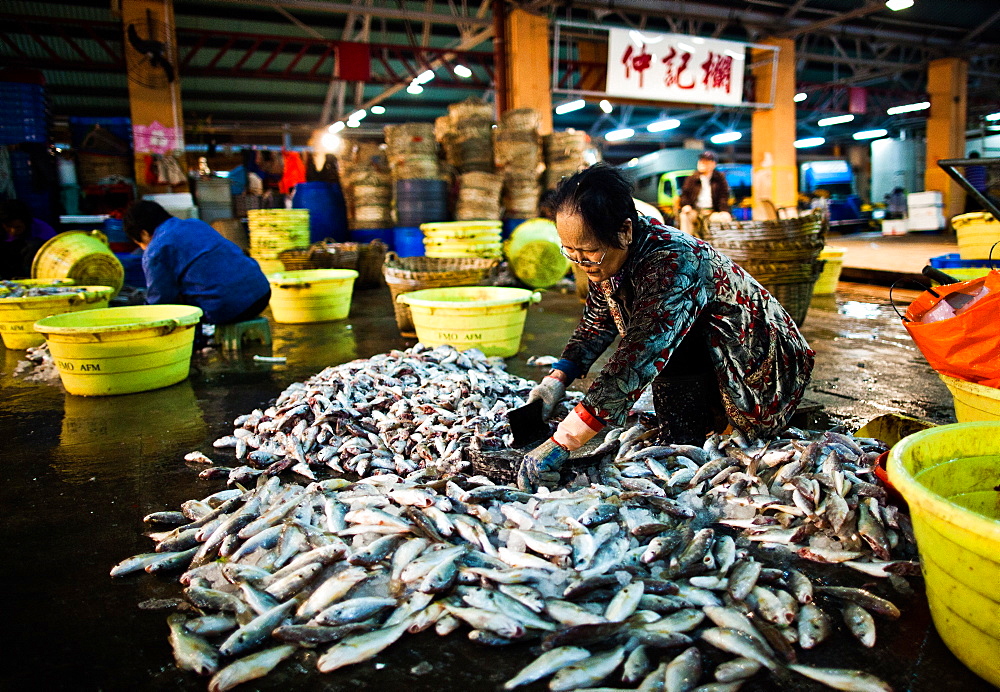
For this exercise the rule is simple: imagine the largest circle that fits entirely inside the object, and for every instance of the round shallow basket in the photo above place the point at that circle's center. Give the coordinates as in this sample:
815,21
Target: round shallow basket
301,259
19,314
808,226
948,474
806,249
489,318
371,257
342,255
405,274
121,350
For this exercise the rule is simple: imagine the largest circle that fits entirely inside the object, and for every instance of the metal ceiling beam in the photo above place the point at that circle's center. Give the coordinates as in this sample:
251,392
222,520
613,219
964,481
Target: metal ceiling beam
346,8
865,9
980,29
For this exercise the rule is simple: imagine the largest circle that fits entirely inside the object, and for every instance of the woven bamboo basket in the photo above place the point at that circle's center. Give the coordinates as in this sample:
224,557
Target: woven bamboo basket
790,282
405,274
796,228
371,257
794,297
342,255
313,257
806,249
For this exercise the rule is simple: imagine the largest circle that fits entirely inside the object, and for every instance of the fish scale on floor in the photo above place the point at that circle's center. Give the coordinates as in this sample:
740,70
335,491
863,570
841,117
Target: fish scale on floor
624,576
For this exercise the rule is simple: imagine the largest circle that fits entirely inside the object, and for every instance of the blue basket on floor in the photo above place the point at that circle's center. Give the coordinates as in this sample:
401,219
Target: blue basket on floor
367,235
408,241
508,227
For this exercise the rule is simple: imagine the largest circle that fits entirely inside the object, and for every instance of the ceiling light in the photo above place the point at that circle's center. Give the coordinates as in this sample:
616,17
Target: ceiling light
337,126
992,116
358,115
871,134
633,162
807,142
414,88
800,97
897,5
835,120
424,77
896,110
378,110
354,123
725,137
330,141
570,106
617,135
606,106
661,125
463,71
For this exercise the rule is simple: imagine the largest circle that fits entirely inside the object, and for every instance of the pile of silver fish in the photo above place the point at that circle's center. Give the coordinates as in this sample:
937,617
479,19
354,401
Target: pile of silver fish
636,573
12,289
393,413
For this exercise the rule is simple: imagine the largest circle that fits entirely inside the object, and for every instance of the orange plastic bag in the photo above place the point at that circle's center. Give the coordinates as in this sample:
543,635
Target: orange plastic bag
967,345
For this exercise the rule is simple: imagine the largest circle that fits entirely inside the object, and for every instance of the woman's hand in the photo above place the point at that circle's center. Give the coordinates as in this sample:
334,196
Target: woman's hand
551,391
541,465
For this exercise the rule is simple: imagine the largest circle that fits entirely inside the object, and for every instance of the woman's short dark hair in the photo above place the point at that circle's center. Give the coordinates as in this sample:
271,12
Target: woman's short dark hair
143,215
602,195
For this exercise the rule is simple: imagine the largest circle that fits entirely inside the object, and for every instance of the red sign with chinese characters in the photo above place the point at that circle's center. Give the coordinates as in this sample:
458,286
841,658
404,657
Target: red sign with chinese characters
674,67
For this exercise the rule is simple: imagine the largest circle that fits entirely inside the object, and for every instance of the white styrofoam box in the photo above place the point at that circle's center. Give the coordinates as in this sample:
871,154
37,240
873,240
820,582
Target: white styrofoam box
172,200
928,198
925,219
894,227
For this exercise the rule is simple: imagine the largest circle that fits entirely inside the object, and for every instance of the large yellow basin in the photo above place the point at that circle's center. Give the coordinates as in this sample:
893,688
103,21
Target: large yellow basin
311,295
18,315
947,475
973,401
489,318
121,350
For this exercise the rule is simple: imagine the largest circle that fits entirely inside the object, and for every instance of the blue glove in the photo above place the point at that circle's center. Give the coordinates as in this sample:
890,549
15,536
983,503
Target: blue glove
541,464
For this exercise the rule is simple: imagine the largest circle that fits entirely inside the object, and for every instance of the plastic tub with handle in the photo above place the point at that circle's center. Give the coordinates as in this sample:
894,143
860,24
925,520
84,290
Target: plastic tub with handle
121,350
18,315
534,254
83,256
973,402
485,317
948,476
830,276
311,295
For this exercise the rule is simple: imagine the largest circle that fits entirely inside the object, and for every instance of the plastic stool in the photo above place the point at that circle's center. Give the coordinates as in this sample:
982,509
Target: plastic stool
231,336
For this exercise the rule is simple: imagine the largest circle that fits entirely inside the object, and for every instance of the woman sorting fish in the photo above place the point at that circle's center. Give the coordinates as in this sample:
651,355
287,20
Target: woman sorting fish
718,349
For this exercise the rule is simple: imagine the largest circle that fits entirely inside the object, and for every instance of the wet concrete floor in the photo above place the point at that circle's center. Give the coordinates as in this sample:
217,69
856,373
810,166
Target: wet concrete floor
80,473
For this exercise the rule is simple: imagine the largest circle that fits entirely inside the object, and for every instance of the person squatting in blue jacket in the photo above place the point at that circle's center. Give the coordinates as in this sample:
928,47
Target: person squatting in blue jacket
187,261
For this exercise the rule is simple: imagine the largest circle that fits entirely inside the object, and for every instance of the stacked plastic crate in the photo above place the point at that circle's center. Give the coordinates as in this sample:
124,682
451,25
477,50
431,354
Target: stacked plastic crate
24,130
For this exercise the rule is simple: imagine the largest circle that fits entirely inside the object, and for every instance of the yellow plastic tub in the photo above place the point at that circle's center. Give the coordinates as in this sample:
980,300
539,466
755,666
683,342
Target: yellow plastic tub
450,230
488,250
83,256
947,475
533,253
976,233
311,295
973,402
273,231
830,276
121,350
18,315
485,317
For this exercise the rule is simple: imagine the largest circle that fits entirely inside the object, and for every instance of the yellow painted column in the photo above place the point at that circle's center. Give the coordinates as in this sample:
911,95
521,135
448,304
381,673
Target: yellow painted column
154,88
947,84
529,65
775,175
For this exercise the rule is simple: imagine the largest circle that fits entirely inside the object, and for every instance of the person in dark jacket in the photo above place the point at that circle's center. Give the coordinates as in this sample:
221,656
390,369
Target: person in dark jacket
718,349
704,193
187,261
21,236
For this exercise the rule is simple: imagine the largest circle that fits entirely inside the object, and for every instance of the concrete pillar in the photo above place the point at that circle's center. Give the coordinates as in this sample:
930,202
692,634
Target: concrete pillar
775,176
155,100
859,156
529,66
947,84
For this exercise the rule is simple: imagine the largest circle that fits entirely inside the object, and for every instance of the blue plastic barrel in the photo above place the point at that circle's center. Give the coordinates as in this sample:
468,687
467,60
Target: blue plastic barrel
508,227
367,235
118,240
420,200
408,241
327,210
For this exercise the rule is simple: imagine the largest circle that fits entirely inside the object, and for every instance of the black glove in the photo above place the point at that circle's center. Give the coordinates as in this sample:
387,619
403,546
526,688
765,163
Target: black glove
541,465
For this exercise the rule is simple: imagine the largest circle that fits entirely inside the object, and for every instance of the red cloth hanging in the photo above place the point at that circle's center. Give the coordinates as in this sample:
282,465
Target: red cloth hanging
295,172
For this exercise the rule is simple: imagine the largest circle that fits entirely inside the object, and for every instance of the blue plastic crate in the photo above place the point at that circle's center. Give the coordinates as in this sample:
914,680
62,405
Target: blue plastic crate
954,261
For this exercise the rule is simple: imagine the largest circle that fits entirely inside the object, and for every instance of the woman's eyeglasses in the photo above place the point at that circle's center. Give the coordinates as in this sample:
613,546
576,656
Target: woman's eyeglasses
582,263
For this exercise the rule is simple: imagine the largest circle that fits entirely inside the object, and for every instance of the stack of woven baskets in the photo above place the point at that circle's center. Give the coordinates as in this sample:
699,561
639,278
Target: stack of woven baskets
782,255
564,155
405,274
372,196
467,135
478,196
412,151
517,152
